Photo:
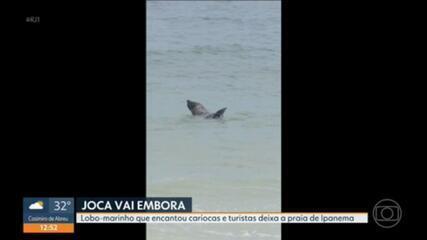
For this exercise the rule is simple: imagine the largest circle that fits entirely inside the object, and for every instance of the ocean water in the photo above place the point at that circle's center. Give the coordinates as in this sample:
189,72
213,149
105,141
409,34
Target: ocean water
221,54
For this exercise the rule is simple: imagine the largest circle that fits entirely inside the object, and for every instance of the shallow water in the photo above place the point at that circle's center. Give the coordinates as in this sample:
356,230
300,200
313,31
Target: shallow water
222,54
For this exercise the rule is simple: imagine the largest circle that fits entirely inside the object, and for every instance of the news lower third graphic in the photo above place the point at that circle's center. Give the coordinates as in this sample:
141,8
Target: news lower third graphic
48,215
59,215
158,204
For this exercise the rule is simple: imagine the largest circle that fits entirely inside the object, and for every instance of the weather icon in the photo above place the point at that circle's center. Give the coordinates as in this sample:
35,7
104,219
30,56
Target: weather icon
36,206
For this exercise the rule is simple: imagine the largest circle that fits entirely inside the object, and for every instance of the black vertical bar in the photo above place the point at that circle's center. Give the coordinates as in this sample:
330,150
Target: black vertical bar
285,90
77,101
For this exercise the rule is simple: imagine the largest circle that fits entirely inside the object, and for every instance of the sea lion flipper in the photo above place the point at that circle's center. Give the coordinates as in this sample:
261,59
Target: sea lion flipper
197,109
219,113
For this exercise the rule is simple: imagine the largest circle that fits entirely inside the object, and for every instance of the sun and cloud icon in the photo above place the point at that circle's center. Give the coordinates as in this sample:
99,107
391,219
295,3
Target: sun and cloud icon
36,206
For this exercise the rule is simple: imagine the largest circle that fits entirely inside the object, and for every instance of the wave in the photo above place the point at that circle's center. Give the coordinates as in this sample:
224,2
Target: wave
211,49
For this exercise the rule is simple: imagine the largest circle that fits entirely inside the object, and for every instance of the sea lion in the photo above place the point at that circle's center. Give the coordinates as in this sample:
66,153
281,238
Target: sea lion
197,109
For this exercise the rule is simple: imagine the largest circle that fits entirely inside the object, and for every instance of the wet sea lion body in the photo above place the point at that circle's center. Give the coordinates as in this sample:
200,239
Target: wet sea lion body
197,109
